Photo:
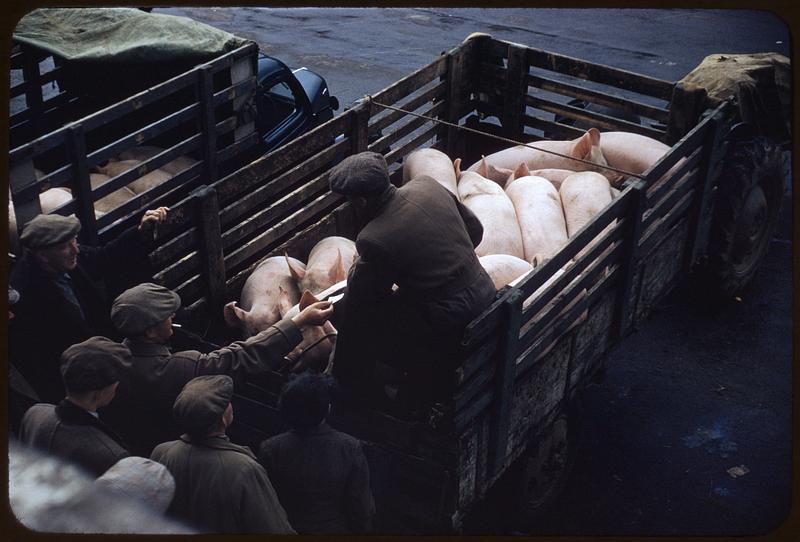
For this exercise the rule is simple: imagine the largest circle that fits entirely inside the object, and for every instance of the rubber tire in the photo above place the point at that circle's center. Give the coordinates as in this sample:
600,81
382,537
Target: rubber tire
746,215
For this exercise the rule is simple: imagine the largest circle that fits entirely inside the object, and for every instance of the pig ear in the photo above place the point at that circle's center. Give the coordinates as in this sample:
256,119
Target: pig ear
594,135
297,272
482,167
337,271
234,315
584,144
457,168
500,175
307,299
522,170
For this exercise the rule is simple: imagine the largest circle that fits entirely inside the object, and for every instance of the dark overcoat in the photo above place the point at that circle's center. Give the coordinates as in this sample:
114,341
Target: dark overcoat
46,322
71,433
220,487
142,409
322,480
423,240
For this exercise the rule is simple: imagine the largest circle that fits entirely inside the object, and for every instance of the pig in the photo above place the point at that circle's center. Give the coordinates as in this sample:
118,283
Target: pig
583,195
50,199
494,209
587,147
631,152
328,263
504,268
541,218
113,200
142,184
145,152
267,295
435,164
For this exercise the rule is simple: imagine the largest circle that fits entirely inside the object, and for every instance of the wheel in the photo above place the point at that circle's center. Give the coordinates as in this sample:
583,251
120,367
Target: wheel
747,210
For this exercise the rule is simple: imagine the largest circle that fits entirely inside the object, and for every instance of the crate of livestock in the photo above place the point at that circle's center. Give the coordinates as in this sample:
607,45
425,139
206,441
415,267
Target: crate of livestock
671,182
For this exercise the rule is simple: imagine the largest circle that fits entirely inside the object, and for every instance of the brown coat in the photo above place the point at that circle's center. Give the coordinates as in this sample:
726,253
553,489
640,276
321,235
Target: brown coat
221,487
142,410
71,433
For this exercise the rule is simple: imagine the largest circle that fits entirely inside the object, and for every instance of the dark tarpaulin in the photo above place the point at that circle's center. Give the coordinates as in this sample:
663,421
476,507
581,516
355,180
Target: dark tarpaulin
120,50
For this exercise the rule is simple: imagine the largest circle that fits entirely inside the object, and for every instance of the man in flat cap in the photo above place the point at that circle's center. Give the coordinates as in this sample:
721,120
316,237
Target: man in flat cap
72,430
422,239
219,486
65,289
143,315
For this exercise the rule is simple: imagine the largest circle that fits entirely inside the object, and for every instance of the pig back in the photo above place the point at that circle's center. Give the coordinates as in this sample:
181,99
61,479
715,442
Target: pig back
583,195
504,268
433,163
263,288
489,202
631,152
541,218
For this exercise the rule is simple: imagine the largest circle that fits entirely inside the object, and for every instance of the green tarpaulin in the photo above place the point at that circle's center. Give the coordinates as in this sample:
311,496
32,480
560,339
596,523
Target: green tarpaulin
122,35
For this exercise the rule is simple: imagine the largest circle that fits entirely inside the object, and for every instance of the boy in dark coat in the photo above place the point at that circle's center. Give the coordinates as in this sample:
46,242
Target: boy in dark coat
72,430
321,475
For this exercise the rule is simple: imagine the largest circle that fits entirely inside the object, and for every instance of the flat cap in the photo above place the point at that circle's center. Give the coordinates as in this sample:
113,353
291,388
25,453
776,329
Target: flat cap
362,174
93,364
143,306
142,479
202,401
48,230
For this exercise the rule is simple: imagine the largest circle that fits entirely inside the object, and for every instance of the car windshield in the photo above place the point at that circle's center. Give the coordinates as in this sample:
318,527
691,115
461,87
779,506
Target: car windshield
276,103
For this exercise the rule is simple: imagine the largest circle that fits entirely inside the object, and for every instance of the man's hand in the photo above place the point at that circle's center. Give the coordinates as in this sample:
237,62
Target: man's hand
315,314
152,218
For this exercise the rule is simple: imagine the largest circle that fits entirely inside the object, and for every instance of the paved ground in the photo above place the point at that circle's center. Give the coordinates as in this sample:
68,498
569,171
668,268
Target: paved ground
698,390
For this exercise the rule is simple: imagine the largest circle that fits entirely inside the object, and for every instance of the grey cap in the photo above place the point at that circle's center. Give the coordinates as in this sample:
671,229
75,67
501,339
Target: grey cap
48,230
143,306
362,174
93,364
201,402
142,479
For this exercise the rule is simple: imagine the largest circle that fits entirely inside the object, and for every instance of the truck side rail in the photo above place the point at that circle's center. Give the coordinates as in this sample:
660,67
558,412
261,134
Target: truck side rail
73,150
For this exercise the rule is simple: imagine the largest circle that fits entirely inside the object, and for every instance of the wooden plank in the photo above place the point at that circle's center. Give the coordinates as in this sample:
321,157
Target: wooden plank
412,145
622,317
466,417
657,190
553,129
678,190
600,73
599,120
516,90
456,97
536,322
703,212
655,234
413,124
81,187
22,175
603,98
207,123
618,208
408,84
683,148
484,324
687,103
434,94
481,380
507,356
576,268
474,361
211,257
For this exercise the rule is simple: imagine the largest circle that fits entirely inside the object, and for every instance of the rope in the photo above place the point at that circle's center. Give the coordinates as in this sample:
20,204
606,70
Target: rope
504,139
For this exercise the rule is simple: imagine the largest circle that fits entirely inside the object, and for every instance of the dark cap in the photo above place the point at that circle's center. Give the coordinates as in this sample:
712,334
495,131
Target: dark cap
48,230
93,364
143,306
201,402
362,174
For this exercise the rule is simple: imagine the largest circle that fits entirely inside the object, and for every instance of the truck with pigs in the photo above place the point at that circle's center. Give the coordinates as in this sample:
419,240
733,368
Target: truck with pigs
700,195
141,102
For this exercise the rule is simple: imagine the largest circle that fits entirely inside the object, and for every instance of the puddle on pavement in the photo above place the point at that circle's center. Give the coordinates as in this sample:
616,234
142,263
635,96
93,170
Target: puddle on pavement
715,441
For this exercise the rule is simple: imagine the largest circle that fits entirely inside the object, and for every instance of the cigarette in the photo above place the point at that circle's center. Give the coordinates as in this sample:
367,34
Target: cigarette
176,325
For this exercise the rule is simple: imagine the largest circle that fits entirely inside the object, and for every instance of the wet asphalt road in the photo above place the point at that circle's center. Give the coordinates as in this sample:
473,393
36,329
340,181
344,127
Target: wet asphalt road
695,392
